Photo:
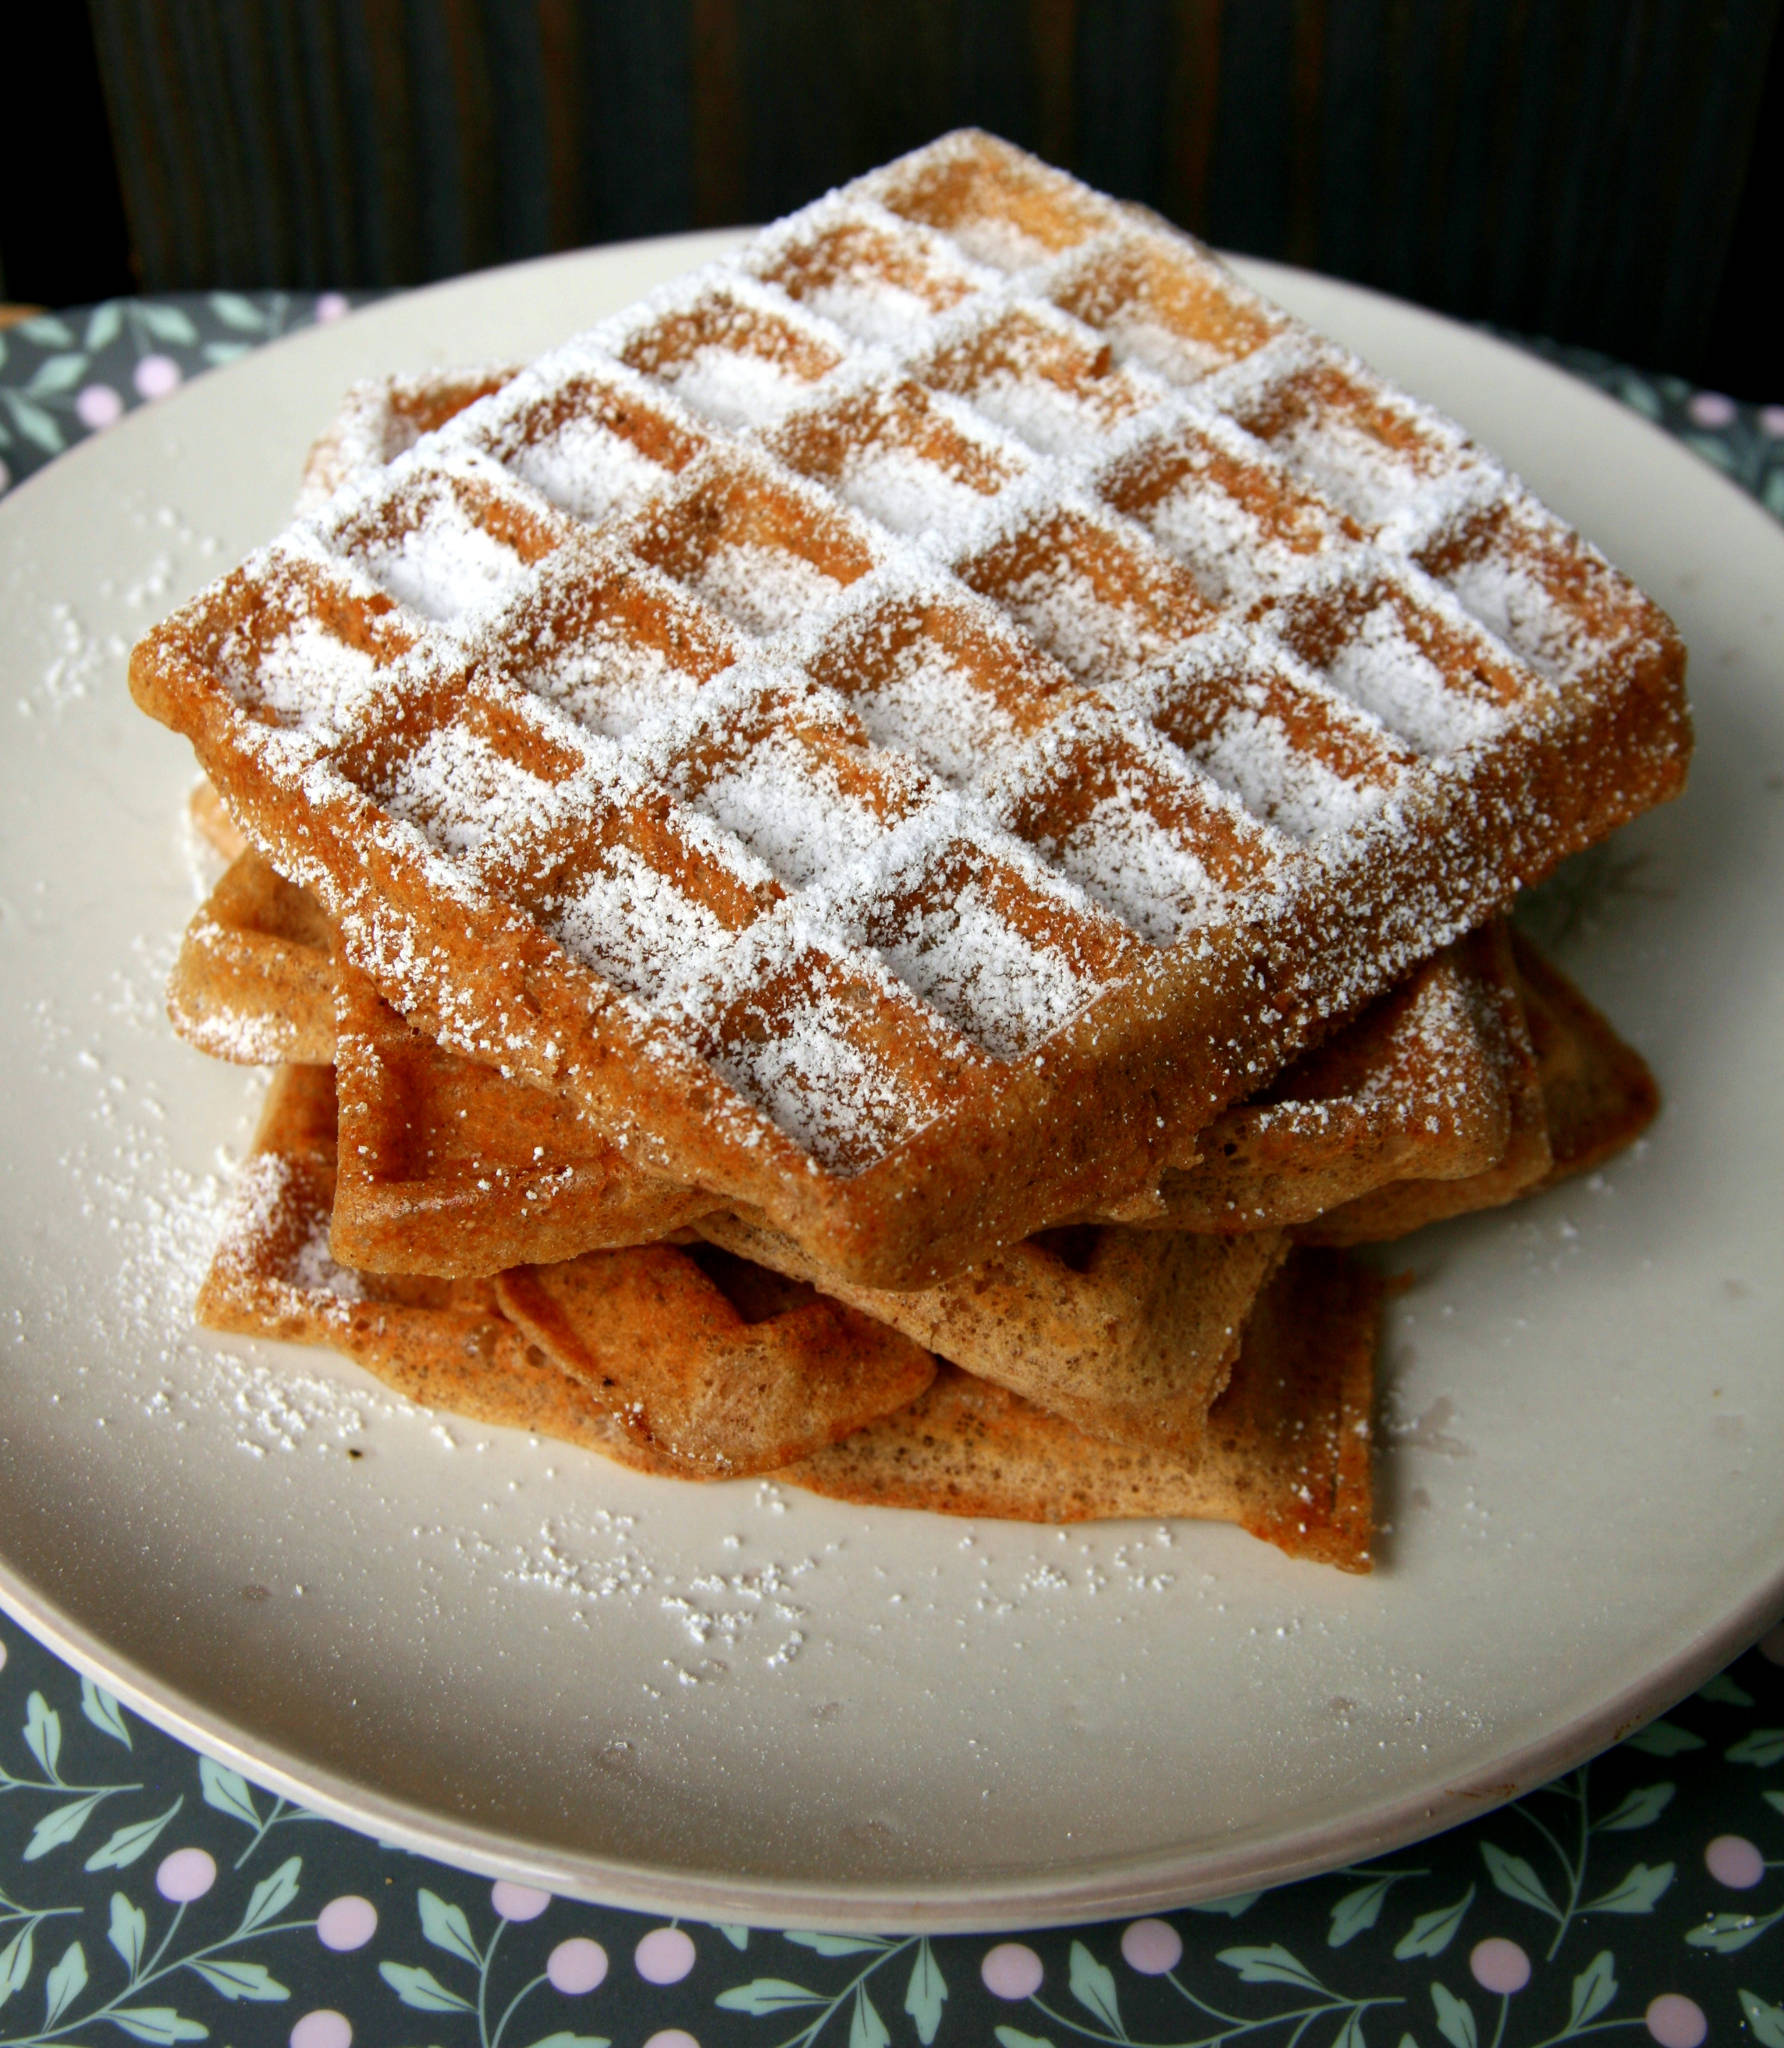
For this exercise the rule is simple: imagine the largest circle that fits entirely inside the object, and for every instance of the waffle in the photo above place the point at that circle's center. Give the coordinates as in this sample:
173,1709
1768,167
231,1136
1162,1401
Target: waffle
646,1339
441,1342
1598,1094
1127,1335
210,819
382,417
453,1170
910,723
254,980
1434,1085
1287,1454
448,1168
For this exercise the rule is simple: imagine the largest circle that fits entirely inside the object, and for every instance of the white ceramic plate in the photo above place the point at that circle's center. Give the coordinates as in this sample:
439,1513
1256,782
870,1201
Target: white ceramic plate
738,1703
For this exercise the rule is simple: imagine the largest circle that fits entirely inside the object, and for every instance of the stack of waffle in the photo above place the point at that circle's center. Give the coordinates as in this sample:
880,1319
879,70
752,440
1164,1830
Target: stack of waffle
941,790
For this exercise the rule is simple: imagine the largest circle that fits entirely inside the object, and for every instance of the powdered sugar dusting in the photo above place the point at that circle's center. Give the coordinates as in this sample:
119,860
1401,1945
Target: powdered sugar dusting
764,589
460,792
1379,667
446,565
630,924
905,493
1003,991
586,469
928,708
734,388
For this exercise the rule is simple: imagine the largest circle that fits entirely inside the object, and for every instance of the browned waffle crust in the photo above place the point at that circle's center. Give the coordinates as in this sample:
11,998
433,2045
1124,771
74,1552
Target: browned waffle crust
910,723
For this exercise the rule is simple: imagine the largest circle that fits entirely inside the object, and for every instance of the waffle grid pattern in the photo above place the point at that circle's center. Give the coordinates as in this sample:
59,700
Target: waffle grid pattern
962,660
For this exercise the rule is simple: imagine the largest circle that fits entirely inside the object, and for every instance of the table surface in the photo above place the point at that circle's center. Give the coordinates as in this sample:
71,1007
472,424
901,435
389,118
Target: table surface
148,1894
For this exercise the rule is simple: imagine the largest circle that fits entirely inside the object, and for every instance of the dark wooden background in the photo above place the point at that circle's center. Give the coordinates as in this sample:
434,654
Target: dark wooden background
1601,171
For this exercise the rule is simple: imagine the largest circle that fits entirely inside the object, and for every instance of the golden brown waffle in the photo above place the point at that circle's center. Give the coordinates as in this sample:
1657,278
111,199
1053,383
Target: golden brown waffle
1598,1095
1432,1083
1522,1156
254,980
911,722
637,1351
443,1343
212,822
448,1168
1126,1334
381,418
1433,1080
722,1370
1287,1452
1287,1456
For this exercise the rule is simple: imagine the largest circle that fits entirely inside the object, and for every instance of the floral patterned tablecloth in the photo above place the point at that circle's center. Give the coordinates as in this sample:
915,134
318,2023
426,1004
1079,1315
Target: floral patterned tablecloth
149,1894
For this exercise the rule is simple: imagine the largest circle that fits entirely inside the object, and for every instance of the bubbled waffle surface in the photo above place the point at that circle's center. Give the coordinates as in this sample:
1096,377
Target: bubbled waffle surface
910,722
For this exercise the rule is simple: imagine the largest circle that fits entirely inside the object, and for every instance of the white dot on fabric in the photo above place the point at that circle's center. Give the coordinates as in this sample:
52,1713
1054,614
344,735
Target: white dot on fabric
346,1923
517,1901
330,306
1676,2021
576,1966
672,2037
98,406
1011,1970
1734,1861
1711,409
323,2028
664,1956
156,376
1151,1946
1499,1965
185,1875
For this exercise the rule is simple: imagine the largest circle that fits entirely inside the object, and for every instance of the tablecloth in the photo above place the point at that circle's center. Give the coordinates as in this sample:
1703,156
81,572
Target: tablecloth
147,1893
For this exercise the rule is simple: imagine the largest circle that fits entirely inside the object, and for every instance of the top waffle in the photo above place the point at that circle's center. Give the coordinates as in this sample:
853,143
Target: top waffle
911,721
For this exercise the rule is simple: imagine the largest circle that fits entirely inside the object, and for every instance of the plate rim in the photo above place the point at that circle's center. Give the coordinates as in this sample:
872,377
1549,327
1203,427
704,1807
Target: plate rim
1156,1880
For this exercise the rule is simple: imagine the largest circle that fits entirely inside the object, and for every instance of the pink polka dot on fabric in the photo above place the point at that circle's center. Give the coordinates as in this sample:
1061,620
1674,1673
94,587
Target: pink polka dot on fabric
576,1966
1011,1970
346,1923
664,1956
185,1875
1151,1946
1771,421
323,2028
98,406
1499,1965
517,1901
1676,2021
672,2037
1734,1861
156,376
1711,409
330,306
1771,1647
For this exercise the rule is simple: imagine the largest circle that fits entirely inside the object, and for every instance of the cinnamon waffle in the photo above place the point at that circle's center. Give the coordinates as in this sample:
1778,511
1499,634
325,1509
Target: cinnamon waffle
1598,1094
910,723
452,1169
1435,1084
653,1350
1286,1455
253,980
448,1168
1128,1335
